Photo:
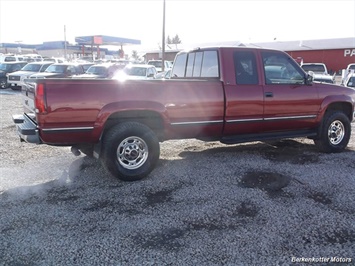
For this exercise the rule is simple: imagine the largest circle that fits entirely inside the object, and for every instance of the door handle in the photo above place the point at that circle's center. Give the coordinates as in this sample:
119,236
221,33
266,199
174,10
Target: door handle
269,94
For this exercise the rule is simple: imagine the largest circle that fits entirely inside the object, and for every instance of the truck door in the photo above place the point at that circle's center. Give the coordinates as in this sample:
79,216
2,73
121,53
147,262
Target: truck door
244,95
289,102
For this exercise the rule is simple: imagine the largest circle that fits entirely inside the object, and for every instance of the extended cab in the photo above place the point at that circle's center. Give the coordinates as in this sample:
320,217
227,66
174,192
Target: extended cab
229,94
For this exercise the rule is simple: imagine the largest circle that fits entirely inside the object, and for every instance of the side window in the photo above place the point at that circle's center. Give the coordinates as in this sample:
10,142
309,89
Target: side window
190,64
245,68
79,70
196,64
210,64
281,69
179,66
71,70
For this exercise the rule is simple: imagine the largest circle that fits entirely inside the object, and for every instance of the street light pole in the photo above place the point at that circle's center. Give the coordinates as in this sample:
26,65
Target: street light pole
163,41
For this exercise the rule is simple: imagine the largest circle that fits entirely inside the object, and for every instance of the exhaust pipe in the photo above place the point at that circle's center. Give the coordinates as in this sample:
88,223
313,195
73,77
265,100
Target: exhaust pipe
75,151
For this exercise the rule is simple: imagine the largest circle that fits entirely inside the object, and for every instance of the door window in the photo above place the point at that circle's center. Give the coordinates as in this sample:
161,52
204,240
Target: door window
281,69
245,68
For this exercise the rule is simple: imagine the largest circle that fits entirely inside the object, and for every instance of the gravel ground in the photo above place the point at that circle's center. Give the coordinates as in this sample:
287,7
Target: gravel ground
277,203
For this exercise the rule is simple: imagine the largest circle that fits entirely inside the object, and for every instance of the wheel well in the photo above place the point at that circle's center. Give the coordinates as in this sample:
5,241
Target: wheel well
149,118
346,108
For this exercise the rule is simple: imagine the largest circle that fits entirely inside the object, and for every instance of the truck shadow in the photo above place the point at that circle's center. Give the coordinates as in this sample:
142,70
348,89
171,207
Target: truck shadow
279,151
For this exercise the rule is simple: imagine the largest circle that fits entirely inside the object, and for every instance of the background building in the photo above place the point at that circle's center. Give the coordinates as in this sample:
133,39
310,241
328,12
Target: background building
335,53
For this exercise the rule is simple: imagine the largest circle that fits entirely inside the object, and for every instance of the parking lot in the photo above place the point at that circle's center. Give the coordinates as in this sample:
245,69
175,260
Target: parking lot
276,203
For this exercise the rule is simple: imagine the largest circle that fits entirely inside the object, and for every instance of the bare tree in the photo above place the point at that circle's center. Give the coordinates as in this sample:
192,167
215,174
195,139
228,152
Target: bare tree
176,40
135,54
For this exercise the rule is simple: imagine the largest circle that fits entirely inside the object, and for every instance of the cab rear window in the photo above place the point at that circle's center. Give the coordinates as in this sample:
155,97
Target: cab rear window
199,64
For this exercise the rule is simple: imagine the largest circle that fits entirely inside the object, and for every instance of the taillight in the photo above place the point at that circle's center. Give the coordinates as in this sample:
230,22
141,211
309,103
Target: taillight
40,103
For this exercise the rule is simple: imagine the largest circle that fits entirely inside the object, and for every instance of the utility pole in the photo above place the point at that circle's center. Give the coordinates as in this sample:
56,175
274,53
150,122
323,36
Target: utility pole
65,43
163,41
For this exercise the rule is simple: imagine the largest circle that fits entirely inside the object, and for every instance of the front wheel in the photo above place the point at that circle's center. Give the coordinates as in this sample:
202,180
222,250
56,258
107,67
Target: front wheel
130,151
335,133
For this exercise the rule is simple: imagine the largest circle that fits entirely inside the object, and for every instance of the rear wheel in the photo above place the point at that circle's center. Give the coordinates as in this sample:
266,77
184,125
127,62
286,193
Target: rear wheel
130,151
335,133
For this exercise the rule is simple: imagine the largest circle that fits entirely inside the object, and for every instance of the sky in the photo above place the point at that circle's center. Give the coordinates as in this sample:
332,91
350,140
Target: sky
194,21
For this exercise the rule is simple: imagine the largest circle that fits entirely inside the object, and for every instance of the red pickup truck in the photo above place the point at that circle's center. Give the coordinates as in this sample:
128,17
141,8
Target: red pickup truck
229,94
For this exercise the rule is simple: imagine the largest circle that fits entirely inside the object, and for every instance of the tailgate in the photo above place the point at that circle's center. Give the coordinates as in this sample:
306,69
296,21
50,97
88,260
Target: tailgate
28,98
26,124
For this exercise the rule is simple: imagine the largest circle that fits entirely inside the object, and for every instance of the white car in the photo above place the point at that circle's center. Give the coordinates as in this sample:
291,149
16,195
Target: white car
159,65
319,72
137,71
8,58
16,79
316,68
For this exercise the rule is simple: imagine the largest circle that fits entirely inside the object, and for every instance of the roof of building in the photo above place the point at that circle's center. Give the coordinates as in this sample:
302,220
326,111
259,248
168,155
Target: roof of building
105,40
320,44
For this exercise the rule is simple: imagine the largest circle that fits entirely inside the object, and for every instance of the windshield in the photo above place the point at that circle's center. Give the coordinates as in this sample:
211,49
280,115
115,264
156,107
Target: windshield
135,71
97,70
56,69
352,67
351,82
155,63
314,68
5,67
32,67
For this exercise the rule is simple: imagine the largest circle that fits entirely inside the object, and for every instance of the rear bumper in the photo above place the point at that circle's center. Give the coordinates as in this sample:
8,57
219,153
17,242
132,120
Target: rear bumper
26,129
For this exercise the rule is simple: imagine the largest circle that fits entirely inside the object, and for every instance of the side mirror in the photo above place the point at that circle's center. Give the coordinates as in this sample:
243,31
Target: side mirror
309,78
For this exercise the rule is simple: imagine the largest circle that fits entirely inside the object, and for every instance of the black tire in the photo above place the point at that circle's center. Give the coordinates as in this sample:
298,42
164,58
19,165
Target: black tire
334,134
130,151
3,84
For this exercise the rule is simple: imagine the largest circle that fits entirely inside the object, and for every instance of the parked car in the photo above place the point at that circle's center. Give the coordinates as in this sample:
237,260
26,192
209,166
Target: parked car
159,65
347,73
136,71
100,71
32,57
60,70
8,58
54,59
9,67
319,72
16,79
316,68
351,67
86,65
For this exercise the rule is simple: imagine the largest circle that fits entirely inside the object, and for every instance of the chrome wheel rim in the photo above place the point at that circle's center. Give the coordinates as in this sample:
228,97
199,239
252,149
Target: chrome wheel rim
336,132
132,152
